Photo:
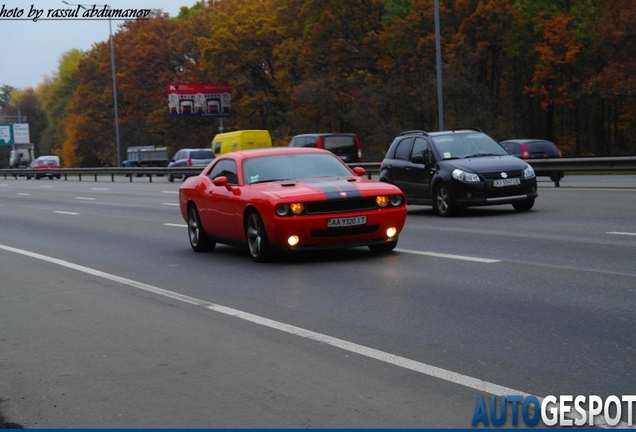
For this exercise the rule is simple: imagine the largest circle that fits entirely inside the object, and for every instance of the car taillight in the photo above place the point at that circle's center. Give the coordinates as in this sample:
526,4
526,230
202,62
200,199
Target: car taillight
525,154
359,149
559,152
189,162
319,142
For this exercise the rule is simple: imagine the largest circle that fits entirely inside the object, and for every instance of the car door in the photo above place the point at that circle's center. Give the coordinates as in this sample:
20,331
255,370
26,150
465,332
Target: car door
418,182
222,217
398,165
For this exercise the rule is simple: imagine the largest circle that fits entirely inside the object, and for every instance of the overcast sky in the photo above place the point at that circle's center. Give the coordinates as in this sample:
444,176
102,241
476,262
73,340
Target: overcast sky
31,50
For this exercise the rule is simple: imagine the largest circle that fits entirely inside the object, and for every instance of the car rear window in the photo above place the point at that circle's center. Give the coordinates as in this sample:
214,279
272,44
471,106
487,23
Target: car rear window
202,154
543,147
340,143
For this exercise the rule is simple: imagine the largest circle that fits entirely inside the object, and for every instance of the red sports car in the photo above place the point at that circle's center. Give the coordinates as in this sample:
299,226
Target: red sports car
289,198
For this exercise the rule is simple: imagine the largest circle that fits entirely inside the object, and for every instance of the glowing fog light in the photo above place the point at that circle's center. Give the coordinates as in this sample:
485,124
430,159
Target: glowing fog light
293,240
391,232
297,208
382,201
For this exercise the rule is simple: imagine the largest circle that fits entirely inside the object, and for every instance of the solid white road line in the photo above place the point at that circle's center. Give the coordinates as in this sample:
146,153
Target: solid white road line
441,255
65,212
432,371
403,362
85,198
176,225
621,233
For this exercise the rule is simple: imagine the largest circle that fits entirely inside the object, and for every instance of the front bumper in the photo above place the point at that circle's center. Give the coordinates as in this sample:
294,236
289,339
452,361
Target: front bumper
484,194
313,233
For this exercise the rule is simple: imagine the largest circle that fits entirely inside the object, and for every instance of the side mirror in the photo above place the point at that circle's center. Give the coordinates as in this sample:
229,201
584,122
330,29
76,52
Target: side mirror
418,159
359,171
223,181
220,181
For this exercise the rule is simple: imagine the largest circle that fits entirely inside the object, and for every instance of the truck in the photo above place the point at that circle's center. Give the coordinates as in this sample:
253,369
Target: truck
21,155
146,156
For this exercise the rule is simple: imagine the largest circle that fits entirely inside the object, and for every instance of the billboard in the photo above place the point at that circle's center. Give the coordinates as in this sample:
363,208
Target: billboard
14,133
199,100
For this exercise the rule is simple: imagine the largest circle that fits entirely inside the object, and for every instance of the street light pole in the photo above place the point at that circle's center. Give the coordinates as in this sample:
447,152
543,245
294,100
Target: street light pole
112,67
438,57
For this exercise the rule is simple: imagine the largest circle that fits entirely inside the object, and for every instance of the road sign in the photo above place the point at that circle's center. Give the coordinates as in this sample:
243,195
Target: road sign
14,133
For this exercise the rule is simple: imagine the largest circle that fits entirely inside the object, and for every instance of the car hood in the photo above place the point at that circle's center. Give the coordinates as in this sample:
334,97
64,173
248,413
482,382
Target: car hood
487,164
327,187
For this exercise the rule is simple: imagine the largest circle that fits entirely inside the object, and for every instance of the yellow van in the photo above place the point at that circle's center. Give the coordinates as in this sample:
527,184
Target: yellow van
240,140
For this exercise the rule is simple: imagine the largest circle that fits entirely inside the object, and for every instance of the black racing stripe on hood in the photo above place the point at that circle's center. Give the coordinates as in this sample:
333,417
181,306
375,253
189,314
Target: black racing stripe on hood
333,188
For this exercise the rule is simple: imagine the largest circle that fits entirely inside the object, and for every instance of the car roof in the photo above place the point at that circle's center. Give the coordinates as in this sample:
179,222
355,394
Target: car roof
324,134
268,151
195,149
444,132
526,140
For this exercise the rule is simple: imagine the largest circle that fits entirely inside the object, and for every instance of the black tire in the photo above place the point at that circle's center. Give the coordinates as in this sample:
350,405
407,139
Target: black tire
384,247
523,206
256,236
443,202
199,240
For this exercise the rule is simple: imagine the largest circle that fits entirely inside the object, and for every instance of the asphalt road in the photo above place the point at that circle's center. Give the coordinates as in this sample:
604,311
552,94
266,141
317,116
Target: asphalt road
109,320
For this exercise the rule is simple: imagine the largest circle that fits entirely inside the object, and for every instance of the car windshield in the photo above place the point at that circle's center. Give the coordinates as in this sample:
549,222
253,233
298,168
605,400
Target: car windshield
292,166
467,145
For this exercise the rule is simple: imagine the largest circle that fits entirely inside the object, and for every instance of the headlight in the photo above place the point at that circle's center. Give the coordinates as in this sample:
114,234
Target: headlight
528,172
297,208
282,209
396,200
464,176
382,201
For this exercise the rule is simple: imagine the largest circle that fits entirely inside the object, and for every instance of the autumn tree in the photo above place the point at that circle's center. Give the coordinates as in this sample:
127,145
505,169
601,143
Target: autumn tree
54,95
612,81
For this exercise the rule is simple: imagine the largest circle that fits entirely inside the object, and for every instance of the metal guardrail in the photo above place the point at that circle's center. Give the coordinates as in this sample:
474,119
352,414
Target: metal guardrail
622,163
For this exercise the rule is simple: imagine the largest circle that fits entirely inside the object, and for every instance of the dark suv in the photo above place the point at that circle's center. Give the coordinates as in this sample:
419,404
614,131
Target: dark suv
190,157
535,149
457,168
344,145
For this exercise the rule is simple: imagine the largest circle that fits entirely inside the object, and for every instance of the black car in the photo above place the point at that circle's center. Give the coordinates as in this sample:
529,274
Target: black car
535,149
344,145
190,157
457,168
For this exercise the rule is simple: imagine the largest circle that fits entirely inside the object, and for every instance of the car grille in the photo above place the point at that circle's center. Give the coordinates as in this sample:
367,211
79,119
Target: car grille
346,231
344,205
497,175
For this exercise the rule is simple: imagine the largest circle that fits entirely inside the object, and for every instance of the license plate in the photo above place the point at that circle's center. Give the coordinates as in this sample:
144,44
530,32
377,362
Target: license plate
343,222
507,182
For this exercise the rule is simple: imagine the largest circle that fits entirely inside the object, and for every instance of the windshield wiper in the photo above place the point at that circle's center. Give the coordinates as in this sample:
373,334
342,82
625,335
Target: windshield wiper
268,180
481,155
